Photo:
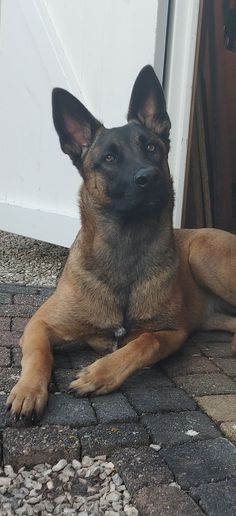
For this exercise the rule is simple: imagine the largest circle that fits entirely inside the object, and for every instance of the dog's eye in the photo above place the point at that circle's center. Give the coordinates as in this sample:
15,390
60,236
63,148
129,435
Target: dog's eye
109,158
150,147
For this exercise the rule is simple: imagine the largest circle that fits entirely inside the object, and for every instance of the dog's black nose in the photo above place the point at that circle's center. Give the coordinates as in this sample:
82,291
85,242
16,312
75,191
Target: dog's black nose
145,177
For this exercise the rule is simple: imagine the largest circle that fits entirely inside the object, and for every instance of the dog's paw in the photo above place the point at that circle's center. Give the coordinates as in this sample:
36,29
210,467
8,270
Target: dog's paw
27,402
99,378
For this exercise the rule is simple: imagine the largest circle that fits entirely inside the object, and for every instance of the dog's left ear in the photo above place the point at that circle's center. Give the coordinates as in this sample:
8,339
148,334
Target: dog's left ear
147,103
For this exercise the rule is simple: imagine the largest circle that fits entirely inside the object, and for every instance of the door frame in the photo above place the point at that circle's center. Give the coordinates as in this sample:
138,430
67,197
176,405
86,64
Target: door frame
181,55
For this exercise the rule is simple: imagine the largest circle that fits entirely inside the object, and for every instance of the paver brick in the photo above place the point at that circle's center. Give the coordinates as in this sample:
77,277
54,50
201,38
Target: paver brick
16,357
37,445
74,356
5,323
82,356
216,349
29,299
221,408
105,438
202,461
3,415
8,339
113,408
17,310
19,323
149,377
19,289
211,336
5,299
227,364
141,467
229,429
217,499
63,378
165,501
204,384
177,428
165,400
182,365
8,378
5,357
64,409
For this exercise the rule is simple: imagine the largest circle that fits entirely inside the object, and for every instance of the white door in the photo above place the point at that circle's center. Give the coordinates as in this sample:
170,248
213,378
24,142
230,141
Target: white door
93,48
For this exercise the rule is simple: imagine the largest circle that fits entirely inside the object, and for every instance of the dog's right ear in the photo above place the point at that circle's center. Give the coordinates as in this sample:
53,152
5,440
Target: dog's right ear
75,125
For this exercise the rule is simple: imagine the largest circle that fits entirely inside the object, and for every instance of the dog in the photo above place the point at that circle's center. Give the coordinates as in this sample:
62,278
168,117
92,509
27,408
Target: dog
132,285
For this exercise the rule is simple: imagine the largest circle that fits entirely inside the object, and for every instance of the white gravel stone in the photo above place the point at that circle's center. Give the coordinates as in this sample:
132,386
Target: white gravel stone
5,481
9,472
76,464
87,461
155,447
51,490
60,465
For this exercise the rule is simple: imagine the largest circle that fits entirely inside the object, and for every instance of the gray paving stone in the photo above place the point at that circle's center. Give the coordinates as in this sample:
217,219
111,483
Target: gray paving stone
216,349
82,356
211,336
141,467
8,377
150,377
19,289
182,365
177,428
5,323
113,408
16,356
61,360
5,299
165,501
5,357
36,445
166,400
64,409
105,438
3,415
8,339
204,384
227,364
217,499
29,299
63,378
19,323
202,461
17,310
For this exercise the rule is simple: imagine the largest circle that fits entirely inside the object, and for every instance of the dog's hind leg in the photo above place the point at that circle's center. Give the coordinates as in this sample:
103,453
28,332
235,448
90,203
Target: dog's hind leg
109,372
212,259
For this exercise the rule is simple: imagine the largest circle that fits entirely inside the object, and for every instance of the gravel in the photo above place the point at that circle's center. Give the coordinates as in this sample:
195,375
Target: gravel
90,487
31,262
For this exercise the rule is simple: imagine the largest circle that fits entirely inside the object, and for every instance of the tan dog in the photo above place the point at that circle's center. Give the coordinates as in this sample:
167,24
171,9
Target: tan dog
129,277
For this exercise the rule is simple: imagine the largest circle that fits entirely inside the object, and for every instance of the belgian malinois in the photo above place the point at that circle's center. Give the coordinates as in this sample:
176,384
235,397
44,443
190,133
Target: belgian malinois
129,278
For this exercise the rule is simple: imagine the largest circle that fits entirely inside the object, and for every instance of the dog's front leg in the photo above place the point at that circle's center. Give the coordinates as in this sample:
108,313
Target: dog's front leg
53,322
109,372
29,396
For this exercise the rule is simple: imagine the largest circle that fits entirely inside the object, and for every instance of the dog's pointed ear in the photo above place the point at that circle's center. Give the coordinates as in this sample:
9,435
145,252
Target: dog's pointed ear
75,125
147,103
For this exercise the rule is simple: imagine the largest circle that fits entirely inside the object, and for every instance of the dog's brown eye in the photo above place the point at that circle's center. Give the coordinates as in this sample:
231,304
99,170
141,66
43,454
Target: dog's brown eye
109,158
150,147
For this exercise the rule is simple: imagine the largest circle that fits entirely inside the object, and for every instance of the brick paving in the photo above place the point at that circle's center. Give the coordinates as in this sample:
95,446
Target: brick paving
186,406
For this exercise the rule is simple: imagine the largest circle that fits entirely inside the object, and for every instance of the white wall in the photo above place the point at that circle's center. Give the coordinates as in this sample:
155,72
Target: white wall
93,48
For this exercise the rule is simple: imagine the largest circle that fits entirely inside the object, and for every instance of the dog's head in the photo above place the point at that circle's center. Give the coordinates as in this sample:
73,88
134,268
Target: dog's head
125,169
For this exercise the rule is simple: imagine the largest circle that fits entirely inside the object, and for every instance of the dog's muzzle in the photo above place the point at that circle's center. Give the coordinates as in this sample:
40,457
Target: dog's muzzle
146,178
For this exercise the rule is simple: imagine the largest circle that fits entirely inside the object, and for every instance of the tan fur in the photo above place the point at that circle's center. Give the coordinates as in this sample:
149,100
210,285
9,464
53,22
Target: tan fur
156,284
